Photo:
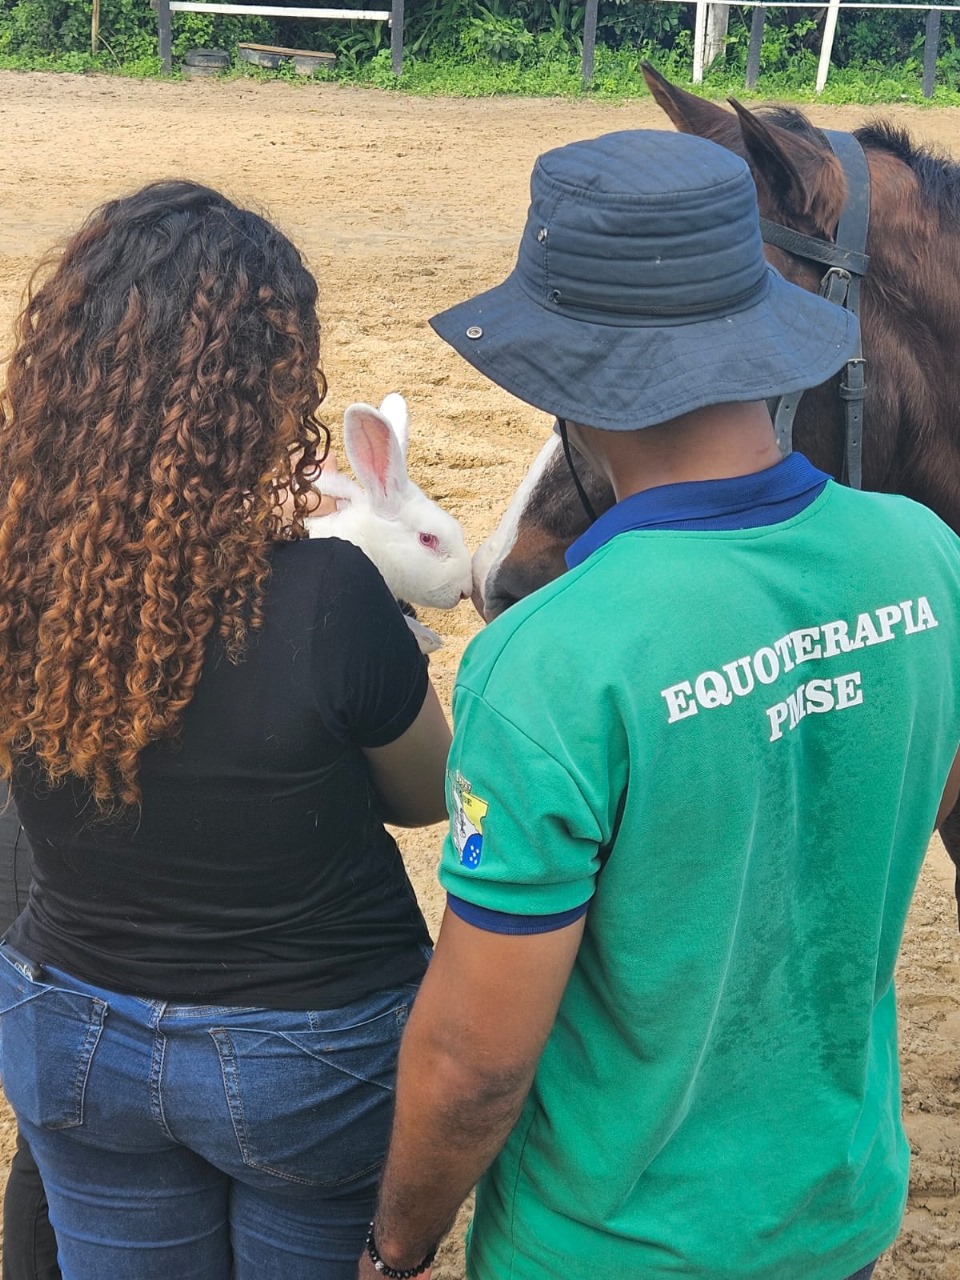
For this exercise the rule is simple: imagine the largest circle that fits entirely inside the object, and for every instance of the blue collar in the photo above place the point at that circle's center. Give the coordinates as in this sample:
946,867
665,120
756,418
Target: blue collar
740,502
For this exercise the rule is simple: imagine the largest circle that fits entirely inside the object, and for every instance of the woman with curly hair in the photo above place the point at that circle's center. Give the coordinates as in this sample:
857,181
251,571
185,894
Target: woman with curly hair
206,719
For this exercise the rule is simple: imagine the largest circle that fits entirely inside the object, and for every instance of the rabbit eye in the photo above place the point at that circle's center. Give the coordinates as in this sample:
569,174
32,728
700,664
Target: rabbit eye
430,540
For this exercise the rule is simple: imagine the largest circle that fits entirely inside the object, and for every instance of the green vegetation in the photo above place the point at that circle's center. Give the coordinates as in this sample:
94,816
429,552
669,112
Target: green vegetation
477,48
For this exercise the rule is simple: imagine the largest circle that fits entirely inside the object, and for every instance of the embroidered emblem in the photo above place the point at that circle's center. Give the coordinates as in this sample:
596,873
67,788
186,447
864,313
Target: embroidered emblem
466,826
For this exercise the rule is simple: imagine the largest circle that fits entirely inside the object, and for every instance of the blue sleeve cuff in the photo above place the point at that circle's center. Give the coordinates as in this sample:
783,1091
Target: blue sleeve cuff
507,922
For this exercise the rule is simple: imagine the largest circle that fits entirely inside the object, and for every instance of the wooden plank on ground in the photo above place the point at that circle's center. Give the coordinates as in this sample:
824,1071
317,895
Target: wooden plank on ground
283,52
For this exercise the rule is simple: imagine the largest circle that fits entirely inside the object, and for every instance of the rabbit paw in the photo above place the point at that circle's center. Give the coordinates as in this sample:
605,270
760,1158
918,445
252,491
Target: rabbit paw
427,639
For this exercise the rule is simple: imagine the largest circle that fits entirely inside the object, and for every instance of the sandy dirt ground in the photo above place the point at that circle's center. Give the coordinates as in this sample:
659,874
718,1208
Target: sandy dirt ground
403,207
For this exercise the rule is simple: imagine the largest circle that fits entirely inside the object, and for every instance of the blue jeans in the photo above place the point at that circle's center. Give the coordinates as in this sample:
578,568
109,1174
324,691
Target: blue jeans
193,1142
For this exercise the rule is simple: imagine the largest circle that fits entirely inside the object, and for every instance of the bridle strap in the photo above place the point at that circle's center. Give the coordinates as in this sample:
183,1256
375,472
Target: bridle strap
852,233
783,410
814,250
846,261
578,483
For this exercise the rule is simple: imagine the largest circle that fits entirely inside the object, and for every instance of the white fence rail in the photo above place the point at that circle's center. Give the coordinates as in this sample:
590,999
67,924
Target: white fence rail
393,15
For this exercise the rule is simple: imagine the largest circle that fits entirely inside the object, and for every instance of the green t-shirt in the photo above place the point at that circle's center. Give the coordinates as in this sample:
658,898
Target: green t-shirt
734,745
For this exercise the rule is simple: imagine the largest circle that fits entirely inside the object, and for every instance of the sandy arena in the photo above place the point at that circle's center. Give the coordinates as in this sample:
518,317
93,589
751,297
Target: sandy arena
402,207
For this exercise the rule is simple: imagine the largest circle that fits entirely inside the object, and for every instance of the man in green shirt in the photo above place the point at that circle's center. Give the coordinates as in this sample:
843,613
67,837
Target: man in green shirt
691,785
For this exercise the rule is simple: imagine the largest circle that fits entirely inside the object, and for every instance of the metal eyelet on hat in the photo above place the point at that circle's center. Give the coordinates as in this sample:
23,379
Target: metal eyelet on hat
474,331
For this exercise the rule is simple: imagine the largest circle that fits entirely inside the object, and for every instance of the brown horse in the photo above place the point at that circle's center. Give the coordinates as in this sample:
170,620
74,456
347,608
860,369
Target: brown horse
910,318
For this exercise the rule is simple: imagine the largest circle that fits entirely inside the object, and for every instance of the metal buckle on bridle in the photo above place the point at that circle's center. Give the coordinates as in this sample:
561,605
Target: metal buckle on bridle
840,284
835,286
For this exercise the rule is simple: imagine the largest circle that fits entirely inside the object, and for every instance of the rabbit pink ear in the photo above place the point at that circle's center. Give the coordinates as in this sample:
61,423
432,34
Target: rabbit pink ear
394,409
375,455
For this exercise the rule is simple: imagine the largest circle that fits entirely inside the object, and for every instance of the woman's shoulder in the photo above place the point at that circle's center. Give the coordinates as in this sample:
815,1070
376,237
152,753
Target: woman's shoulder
319,556
327,568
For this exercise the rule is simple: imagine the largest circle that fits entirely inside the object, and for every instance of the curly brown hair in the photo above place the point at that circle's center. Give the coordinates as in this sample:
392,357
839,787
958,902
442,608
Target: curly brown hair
160,405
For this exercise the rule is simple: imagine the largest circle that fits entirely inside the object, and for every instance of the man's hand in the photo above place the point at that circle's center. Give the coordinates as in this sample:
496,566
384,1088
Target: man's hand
467,1060
328,504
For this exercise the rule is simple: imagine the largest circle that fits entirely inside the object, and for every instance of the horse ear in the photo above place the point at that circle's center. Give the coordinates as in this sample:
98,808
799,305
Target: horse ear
691,114
805,182
772,164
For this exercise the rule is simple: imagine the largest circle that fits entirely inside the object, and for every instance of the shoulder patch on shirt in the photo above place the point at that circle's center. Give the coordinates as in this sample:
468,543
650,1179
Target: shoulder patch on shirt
466,827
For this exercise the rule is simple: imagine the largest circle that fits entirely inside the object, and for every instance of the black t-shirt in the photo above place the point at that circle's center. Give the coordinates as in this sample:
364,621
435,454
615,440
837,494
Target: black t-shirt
257,870
15,862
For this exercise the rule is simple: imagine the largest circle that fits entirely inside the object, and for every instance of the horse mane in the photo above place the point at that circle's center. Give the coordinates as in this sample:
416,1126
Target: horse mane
938,176
793,121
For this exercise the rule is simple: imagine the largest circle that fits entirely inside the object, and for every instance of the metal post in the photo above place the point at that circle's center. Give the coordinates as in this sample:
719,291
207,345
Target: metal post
931,44
396,36
164,36
715,37
589,41
756,44
826,47
699,39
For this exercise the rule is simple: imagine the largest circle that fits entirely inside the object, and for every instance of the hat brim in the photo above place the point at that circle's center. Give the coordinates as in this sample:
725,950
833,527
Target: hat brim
626,378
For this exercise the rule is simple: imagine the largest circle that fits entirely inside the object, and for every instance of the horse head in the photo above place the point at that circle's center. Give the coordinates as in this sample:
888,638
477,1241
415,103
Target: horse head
545,515
800,184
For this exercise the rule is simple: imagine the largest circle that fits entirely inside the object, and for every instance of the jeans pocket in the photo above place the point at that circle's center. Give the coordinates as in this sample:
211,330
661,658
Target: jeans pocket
314,1107
48,1036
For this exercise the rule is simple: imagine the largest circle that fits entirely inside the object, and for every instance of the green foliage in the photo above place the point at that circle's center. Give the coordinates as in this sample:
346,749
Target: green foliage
359,46
208,31
621,23
494,36
480,47
62,27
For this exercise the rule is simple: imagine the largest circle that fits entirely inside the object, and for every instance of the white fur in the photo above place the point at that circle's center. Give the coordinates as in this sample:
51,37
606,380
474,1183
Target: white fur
491,554
386,517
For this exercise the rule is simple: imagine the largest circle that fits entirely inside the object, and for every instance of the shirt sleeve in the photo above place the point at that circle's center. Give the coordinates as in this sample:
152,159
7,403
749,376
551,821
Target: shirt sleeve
510,923
523,838
368,671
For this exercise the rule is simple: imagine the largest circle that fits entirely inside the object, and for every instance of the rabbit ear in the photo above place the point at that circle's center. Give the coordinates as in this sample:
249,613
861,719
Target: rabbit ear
394,409
375,456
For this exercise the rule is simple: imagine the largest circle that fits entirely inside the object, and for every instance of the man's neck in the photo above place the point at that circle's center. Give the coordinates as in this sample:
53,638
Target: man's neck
709,444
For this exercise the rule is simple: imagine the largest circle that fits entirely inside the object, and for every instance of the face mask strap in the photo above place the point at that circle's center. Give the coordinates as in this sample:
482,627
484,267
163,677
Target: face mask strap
582,493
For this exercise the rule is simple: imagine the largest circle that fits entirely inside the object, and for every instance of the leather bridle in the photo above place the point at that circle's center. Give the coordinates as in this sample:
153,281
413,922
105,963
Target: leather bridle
846,262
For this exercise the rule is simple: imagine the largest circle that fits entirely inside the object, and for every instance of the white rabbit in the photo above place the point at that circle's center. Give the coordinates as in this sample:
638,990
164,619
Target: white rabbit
418,548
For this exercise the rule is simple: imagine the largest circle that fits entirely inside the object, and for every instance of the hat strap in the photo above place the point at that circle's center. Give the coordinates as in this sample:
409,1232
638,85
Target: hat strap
582,493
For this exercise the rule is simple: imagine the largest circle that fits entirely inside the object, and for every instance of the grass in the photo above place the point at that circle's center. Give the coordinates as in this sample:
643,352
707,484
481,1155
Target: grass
617,76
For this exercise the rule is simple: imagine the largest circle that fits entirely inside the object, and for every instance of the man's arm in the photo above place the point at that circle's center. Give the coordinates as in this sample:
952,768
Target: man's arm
467,1059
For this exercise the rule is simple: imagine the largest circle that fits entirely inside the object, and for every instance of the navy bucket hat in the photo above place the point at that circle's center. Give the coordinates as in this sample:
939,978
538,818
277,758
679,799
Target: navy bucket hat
641,291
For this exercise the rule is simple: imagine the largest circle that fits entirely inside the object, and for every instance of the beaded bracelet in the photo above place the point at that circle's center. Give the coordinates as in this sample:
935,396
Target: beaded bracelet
394,1273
